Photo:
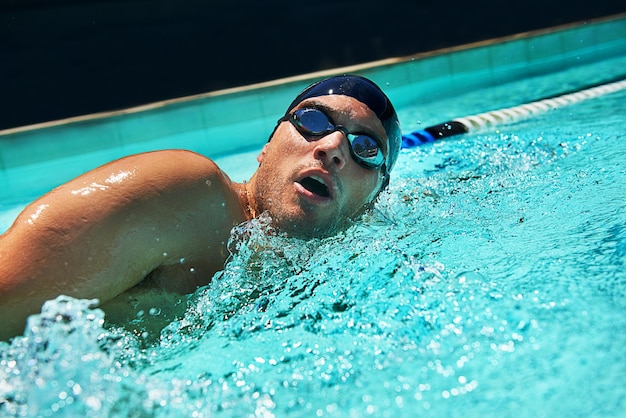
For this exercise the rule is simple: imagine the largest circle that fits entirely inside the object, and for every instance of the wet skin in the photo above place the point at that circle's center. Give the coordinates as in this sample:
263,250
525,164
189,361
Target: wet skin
290,164
154,226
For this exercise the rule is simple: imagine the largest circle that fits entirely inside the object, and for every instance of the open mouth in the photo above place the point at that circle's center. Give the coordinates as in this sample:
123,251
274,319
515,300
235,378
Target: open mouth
316,186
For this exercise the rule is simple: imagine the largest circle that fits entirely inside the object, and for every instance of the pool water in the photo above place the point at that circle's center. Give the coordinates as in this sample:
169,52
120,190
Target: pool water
489,280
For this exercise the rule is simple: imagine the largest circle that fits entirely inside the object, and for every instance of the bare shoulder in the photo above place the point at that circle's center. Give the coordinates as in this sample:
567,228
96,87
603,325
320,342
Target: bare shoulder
129,184
167,167
186,162
103,232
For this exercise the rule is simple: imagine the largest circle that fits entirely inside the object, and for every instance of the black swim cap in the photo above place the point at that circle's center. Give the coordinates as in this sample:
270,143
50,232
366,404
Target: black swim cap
366,92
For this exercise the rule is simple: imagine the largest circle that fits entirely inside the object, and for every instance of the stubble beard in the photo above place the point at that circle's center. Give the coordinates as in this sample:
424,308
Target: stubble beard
293,217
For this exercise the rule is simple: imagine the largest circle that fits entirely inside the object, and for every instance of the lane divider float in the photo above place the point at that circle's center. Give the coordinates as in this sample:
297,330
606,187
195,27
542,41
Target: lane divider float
471,123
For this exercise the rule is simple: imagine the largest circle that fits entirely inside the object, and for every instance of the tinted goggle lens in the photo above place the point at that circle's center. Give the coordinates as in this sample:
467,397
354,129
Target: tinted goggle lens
313,122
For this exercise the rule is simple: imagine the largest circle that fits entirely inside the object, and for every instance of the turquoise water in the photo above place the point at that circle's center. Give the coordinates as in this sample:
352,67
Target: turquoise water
489,280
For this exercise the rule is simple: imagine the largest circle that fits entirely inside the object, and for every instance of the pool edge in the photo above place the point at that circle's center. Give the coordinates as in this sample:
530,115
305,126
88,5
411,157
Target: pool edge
368,66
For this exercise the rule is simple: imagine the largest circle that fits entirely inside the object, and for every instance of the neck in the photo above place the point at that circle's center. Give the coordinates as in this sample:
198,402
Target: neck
245,191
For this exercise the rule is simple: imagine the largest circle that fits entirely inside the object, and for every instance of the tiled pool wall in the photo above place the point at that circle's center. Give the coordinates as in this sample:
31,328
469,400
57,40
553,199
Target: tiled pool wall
230,121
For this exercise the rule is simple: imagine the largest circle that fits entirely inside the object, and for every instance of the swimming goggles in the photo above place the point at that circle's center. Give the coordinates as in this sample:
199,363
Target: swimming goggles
315,124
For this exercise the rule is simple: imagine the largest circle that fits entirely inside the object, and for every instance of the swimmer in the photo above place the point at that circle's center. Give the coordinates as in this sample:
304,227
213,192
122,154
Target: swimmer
160,221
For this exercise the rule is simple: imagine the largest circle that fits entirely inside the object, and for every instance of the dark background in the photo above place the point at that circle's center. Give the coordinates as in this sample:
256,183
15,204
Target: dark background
61,58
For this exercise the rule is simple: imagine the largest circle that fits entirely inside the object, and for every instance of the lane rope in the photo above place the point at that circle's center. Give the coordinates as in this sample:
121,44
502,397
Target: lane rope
484,120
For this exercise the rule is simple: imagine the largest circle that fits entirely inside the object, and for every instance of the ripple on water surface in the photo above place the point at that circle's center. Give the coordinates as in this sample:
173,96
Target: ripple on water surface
488,280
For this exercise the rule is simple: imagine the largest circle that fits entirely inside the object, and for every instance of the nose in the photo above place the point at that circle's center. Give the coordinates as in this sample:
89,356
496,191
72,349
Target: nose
331,149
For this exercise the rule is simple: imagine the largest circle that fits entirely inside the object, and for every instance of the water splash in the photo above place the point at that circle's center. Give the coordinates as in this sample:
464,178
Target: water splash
67,363
488,278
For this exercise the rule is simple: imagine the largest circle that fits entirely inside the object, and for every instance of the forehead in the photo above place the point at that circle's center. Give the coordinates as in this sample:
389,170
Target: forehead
347,111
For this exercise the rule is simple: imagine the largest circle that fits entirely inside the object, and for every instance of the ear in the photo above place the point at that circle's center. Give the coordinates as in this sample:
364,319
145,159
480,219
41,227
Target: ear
261,156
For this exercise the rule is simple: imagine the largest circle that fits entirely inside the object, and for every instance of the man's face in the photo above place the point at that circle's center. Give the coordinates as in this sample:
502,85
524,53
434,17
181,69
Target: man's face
314,187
